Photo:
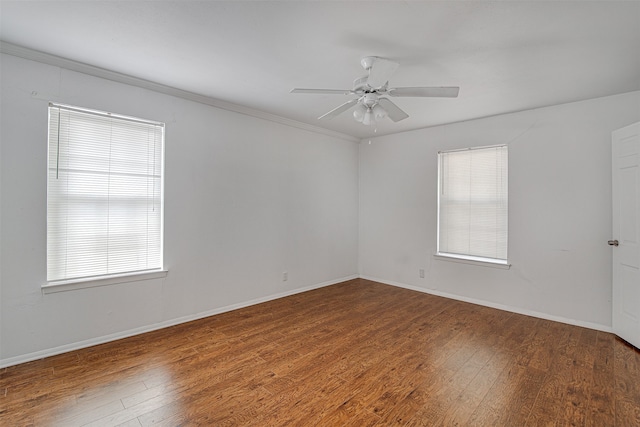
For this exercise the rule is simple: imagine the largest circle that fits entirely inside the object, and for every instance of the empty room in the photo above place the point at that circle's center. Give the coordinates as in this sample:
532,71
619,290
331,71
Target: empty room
319,213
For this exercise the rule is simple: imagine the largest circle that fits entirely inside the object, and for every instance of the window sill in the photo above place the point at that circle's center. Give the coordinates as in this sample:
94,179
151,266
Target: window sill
70,285
492,264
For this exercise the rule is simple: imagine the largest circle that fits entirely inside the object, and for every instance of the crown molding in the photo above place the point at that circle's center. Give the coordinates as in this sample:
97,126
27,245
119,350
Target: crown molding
68,64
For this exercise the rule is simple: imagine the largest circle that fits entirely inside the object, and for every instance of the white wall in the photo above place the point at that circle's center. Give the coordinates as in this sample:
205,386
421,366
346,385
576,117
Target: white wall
559,210
246,199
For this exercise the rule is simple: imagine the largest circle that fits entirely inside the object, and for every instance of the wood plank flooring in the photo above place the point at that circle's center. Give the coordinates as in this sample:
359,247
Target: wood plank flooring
358,353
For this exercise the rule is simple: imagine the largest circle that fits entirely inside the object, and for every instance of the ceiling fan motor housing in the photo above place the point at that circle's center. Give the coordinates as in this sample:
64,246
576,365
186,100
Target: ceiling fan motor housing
370,99
360,84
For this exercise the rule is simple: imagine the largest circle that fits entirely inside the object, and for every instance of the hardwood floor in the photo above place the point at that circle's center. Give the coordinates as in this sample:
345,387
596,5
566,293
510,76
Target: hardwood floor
358,353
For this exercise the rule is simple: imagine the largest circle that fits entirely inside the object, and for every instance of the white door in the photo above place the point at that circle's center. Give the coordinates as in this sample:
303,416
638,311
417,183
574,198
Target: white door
626,233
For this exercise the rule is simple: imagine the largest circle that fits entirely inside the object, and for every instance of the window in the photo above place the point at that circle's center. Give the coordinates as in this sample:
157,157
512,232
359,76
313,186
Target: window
104,194
473,204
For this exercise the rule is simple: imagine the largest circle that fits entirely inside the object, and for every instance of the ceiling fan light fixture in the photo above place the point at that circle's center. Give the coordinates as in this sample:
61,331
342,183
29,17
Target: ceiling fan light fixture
379,113
359,112
368,118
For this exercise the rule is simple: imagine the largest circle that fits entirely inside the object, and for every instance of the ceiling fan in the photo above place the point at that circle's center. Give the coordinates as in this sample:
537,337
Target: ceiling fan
371,104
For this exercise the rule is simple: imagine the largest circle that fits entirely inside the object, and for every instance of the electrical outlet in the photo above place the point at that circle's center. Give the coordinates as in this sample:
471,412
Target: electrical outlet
421,273
285,276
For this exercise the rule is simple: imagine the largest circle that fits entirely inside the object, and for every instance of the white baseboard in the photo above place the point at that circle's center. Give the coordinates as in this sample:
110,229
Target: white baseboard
148,328
518,310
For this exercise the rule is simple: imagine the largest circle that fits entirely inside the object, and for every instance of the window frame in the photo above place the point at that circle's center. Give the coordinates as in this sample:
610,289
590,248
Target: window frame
70,283
468,258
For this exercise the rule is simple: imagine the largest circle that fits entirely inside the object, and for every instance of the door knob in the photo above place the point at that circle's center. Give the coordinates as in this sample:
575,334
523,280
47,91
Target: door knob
613,243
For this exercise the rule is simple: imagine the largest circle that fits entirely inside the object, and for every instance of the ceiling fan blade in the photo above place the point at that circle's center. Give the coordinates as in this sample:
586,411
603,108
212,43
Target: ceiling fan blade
394,112
323,91
381,71
342,108
436,92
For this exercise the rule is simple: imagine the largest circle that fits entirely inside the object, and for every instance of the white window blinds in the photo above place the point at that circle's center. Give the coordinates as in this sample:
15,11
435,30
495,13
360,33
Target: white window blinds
104,194
473,203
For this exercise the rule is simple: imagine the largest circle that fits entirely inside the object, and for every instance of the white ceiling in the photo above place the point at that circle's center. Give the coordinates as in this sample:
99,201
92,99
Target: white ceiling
505,56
